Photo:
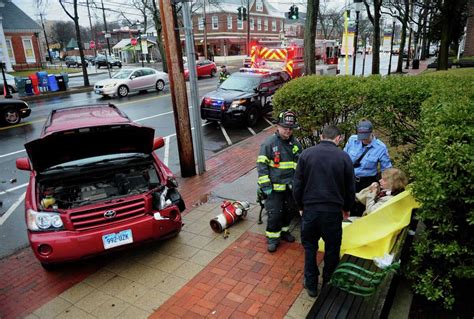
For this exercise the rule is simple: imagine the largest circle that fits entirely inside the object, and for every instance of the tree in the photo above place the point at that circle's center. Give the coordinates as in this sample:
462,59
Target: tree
62,31
331,22
310,37
374,18
155,13
400,9
75,18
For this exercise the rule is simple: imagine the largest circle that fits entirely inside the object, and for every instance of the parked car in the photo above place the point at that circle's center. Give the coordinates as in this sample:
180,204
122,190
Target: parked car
11,85
129,80
203,68
96,185
90,58
100,60
243,97
12,111
74,61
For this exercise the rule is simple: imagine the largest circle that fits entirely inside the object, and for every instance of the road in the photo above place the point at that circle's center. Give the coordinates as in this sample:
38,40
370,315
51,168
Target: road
150,109
384,59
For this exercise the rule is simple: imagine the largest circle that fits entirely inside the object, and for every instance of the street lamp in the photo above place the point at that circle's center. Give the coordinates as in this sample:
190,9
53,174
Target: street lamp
391,46
357,6
141,45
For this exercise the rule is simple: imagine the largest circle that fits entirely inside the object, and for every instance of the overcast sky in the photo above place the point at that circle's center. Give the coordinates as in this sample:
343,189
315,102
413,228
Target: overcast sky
55,12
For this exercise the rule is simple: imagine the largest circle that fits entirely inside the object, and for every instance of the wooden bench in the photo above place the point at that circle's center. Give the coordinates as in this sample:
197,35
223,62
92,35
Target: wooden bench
333,302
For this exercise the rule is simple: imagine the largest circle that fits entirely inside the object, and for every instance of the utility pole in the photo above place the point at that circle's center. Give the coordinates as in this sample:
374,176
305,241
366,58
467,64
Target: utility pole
391,48
188,30
46,38
106,38
90,23
179,97
205,27
248,27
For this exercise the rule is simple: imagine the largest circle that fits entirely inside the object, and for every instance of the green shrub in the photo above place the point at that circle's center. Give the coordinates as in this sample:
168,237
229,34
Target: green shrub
443,183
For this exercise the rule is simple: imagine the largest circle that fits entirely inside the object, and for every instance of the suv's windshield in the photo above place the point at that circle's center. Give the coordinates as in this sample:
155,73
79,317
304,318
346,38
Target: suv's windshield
241,82
124,74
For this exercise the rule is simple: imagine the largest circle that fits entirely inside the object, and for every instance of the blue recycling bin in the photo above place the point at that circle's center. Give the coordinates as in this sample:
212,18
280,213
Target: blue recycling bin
42,80
52,83
29,86
20,85
66,79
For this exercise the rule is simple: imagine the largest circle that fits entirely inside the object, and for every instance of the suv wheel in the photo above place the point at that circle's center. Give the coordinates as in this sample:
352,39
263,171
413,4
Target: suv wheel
251,116
122,91
160,85
11,116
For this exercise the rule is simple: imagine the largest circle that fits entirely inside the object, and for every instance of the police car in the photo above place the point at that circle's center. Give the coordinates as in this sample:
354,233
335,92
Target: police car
243,97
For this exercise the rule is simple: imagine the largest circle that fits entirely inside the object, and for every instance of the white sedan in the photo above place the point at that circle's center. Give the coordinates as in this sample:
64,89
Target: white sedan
130,80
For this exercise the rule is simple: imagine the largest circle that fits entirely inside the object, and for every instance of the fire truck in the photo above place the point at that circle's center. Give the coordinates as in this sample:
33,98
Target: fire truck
289,56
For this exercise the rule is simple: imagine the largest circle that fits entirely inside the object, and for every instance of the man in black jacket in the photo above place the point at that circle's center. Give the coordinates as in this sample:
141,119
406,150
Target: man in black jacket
324,189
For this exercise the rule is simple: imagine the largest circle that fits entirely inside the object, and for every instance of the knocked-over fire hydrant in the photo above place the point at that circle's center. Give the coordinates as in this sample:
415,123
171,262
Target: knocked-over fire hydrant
231,213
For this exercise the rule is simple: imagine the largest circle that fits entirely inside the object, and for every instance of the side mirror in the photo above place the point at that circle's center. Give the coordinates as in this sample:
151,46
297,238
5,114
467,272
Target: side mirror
23,164
132,77
158,143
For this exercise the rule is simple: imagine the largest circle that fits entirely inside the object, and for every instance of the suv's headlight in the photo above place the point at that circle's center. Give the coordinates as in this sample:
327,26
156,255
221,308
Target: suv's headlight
237,103
43,221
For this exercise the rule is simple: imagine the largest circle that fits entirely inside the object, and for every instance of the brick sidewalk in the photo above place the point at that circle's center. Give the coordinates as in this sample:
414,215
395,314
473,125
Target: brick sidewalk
24,285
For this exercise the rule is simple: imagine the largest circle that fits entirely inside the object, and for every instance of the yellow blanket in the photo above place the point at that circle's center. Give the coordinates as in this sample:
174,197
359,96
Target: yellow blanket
375,234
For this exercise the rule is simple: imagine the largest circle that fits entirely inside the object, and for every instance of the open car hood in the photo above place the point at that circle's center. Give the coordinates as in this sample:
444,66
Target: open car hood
65,146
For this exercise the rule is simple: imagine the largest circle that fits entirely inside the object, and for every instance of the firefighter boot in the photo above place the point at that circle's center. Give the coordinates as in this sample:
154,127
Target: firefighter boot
272,244
286,236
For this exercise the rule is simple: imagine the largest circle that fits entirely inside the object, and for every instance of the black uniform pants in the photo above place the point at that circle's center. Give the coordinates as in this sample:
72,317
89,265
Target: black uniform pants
280,207
361,183
316,225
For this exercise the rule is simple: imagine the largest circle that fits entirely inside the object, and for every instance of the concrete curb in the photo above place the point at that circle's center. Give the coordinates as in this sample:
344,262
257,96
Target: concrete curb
74,90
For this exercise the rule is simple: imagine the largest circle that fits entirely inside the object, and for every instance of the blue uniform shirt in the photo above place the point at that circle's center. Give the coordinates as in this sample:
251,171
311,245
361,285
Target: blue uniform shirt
368,165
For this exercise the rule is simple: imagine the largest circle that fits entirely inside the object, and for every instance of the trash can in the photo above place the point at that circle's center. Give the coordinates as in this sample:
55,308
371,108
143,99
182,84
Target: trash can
34,83
28,86
415,65
20,85
61,84
42,80
66,79
52,83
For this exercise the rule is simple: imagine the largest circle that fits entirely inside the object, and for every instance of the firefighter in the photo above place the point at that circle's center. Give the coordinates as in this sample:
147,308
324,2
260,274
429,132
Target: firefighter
224,74
276,165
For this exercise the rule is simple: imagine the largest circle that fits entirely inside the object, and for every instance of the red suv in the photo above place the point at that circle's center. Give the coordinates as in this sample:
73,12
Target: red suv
96,185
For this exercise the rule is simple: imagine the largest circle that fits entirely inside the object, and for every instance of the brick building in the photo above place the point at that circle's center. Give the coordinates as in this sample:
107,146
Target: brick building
19,38
226,35
469,46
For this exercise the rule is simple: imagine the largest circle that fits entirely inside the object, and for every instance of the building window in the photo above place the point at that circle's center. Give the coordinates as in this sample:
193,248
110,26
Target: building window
259,24
28,49
240,24
201,23
229,22
215,22
252,24
281,25
265,24
10,51
274,25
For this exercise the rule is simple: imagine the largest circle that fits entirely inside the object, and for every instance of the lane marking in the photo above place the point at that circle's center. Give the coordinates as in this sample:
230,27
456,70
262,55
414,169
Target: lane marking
268,121
229,142
14,188
12,153
252,131
167,150
12,208
153,116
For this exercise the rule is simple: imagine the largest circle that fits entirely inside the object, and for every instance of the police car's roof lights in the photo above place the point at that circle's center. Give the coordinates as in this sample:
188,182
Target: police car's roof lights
255,70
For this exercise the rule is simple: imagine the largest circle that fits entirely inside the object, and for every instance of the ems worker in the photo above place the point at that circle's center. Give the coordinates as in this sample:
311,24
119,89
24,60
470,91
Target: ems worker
366,153
276,166
224,74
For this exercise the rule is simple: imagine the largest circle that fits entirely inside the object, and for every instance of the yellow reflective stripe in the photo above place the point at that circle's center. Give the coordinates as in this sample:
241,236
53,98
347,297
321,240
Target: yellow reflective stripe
279,187
270,234
263,179
283,165
285,229
262,159
295,149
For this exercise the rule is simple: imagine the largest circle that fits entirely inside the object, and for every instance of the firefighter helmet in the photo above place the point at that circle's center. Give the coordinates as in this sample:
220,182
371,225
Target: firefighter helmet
287,119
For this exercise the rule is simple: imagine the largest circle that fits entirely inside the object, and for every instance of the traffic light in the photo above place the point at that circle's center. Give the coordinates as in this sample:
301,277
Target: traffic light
239,13
244,13
293,13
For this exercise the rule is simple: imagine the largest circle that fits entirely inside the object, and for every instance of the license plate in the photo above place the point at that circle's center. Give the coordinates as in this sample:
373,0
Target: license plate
117,239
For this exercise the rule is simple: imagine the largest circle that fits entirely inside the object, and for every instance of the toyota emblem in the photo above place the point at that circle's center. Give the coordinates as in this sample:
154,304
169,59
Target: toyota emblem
110,214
